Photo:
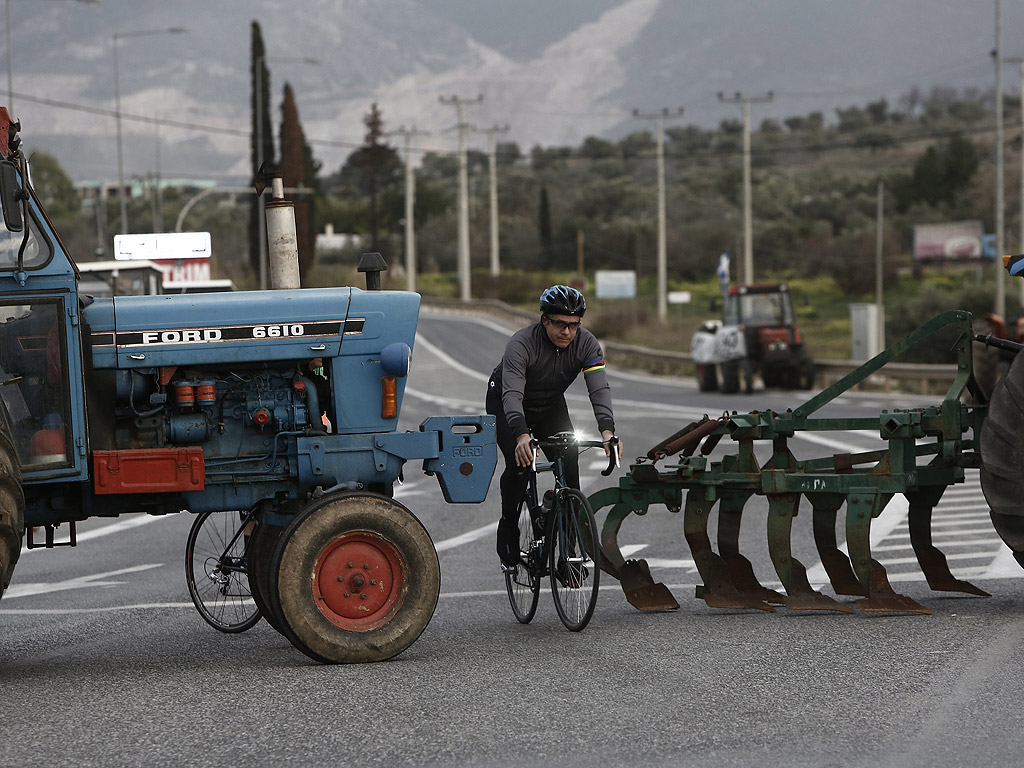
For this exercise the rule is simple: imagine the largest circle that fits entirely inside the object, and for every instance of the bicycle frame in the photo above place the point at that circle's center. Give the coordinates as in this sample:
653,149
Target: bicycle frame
564,546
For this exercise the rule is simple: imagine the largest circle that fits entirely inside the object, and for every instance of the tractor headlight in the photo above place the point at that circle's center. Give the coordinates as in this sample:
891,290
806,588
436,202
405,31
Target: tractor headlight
394,359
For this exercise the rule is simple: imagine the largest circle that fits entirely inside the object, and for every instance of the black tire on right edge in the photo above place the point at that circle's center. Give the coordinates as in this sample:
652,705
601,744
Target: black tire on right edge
12,511
1002,457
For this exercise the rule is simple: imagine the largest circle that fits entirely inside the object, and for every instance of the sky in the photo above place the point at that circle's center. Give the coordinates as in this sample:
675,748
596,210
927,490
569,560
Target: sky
554,72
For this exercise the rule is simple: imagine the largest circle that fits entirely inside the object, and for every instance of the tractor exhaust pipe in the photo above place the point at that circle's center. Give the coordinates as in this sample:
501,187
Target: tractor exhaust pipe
372,264
282,242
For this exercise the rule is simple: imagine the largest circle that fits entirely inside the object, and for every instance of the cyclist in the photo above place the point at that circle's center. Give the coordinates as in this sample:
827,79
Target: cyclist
526,392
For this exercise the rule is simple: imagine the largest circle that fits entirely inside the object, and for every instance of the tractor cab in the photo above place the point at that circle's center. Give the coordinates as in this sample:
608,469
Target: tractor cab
38,337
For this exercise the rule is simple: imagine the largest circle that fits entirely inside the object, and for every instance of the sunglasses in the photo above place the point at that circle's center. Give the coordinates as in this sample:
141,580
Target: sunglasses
561,325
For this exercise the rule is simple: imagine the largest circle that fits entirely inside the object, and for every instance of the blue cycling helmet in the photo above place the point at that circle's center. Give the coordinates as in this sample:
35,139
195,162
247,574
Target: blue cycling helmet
563,300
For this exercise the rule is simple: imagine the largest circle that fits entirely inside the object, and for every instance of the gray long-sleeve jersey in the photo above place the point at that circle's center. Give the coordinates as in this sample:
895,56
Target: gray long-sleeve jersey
533,375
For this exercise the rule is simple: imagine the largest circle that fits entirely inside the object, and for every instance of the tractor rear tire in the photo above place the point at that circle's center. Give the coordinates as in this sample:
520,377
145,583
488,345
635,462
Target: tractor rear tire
1002,457
707,377
12,511
260,554
731,377
357,579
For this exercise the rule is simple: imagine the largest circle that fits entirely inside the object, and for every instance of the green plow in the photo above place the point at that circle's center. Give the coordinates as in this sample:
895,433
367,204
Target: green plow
922,452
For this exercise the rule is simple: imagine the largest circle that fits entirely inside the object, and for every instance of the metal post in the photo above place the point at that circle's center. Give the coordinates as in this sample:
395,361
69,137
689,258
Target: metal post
463,235
662,255
748,217
159,214
492,167
410,213
880,211
261,211
463,260
120,150
410,205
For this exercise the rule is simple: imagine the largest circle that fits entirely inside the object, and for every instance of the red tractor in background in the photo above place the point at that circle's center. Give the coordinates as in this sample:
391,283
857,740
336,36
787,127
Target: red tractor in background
757,334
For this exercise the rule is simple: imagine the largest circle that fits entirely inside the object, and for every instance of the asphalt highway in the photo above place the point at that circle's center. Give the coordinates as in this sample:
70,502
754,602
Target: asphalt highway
105,662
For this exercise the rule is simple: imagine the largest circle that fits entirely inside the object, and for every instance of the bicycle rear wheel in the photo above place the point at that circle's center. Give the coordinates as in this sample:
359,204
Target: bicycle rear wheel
523,581
217,574
574,558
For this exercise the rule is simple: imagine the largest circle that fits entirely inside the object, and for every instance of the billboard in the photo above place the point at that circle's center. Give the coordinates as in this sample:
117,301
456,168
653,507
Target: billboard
955,240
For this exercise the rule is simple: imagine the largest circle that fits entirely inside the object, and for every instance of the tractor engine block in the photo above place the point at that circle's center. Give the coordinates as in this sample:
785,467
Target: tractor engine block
229,414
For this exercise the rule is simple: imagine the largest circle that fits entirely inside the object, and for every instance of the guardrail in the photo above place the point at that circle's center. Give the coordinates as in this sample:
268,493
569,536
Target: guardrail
895,375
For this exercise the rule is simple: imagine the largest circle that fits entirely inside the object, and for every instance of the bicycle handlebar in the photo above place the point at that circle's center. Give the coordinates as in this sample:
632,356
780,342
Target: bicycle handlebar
564,439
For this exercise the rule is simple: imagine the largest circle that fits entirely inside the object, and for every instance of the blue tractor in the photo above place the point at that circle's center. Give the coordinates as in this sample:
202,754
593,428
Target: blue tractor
279,408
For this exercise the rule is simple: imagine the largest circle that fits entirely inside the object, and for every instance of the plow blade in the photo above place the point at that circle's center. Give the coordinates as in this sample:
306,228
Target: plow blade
884,598
931,559
641,590
799,593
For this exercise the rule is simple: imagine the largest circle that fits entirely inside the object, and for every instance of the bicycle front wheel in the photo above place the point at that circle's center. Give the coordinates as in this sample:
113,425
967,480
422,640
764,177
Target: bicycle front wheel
523,581
574,553
217,574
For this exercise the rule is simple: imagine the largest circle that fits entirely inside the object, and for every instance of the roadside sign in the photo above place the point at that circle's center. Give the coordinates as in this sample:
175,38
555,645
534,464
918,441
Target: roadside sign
615,283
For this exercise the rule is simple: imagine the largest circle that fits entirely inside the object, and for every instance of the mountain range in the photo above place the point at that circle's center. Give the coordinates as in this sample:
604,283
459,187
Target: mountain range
552,71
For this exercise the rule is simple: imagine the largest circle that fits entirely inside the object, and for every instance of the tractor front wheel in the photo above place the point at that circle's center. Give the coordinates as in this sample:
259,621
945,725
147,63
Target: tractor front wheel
357,579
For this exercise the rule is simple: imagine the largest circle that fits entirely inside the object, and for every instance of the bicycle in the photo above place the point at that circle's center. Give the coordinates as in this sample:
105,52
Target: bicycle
216,551
558,538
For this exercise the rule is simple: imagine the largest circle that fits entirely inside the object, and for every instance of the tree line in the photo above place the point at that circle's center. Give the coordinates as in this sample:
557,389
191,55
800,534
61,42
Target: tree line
815,182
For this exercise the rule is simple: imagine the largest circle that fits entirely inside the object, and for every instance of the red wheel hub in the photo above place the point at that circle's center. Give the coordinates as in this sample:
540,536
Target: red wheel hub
359,580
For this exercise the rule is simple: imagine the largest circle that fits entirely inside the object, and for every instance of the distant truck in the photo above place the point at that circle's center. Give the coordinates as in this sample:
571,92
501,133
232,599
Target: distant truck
757,334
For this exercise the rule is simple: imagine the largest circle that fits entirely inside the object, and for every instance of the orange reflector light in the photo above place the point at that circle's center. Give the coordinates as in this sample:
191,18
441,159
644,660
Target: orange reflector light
389,400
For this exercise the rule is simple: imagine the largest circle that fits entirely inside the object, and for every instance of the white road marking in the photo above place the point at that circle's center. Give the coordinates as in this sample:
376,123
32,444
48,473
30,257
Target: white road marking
104,609
81,582
628,550
467,537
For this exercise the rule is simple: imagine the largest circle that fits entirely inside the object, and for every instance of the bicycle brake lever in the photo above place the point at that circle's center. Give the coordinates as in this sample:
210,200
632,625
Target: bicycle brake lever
613,456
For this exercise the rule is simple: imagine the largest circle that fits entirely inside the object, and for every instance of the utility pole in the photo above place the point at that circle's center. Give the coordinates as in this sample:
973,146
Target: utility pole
659,118
879,221
748,223
410,205
463,243
492,165
158,203
1000,308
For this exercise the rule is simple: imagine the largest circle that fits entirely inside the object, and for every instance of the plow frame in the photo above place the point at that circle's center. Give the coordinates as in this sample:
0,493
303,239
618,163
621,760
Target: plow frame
926,450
